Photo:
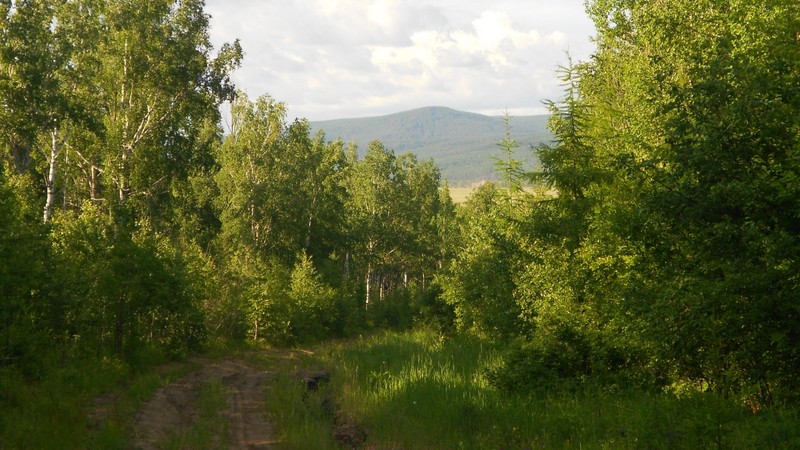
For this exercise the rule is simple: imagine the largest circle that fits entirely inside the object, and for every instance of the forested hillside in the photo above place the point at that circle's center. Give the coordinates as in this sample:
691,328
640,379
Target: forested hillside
461,144
659,250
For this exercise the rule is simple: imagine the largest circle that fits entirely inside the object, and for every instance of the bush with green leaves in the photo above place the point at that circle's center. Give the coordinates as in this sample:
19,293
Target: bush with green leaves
570,359
291,306
123,291
24,313
312,303
479,282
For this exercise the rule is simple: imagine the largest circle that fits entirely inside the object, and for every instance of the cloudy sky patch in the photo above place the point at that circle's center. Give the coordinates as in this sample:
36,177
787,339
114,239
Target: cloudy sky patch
354,58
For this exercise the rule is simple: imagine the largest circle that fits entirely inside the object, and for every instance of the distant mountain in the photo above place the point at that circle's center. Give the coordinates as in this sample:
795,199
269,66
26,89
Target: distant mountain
462,144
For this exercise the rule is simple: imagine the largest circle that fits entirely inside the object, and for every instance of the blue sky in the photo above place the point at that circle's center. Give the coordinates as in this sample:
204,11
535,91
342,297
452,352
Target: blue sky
354,58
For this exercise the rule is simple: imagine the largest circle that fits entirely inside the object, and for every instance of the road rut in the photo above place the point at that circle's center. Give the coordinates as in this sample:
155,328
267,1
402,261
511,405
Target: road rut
173,408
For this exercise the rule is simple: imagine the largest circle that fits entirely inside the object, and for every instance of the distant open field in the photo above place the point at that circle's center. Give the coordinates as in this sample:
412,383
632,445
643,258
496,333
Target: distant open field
460,194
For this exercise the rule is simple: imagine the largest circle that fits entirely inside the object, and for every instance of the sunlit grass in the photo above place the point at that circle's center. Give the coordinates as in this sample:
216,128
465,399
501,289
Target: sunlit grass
420,390
299,417
460,194
404,390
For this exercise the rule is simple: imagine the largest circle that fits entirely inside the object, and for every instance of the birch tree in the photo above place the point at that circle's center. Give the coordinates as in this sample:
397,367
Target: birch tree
393,205
40,86
160,86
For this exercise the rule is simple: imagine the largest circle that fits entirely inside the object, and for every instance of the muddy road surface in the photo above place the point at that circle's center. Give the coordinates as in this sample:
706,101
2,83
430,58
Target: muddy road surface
174,408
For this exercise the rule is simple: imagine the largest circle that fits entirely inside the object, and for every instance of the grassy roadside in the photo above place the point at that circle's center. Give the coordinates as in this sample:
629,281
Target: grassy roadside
87,403
92,403
391,390
420,390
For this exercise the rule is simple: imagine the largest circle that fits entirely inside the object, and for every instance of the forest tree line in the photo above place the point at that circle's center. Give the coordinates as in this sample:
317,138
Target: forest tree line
132,225
660,249
670,256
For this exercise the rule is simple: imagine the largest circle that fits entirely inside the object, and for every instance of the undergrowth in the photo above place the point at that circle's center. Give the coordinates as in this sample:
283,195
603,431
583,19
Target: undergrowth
301,418
84,403
423,390
395,390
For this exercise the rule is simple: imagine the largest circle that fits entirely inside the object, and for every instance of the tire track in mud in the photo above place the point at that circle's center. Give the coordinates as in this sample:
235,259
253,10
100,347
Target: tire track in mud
173,408
246,413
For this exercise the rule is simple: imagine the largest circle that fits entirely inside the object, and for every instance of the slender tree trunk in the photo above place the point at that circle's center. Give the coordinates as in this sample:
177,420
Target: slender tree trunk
369,279
255,231
308,231
255,330
347,265
310,224
50,182
64,196
124,188
125,105
94,184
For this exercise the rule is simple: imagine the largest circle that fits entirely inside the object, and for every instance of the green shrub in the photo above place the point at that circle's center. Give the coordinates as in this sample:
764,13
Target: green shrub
568,359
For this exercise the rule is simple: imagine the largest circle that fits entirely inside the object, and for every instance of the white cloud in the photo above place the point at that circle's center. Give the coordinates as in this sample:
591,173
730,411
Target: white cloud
494,27
337,58
383,13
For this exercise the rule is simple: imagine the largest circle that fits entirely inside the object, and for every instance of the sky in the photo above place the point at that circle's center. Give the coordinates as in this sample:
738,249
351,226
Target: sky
330,59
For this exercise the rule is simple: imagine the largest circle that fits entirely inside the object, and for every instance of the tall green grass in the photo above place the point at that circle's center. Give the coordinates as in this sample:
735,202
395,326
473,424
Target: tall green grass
300,418
405,390
421,390
55,410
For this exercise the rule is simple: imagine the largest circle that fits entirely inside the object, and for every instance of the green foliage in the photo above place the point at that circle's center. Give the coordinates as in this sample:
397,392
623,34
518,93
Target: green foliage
667,253
575,359
313,307
509,168
670,240
478,284
124,290
114,106
664,257
280,189
291,306
24,315
396,222
267,306
159,230
716,213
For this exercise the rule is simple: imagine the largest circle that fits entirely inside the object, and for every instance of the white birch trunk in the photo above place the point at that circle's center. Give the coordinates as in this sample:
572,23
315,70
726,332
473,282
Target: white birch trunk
56,145
369,279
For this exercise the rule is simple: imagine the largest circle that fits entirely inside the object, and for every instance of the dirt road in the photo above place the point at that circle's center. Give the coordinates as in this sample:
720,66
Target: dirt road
174,409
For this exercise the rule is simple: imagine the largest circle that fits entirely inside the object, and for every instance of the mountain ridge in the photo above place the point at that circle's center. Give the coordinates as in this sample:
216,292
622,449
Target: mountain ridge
461,143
